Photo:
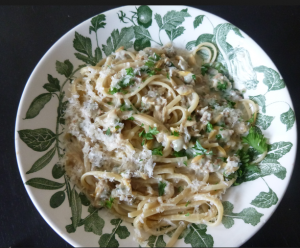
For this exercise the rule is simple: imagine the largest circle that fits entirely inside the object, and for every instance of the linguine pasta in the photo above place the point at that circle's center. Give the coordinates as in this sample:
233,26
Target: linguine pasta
153,136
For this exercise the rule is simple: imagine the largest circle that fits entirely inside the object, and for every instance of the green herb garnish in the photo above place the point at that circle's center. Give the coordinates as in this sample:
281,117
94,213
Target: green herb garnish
187,203
181,153
204,69
131,118
218,136
189,118
175,133
230,104
251,120
256,140
108,132
209,127
158,151
161,188
185,163
129,71
200,150
168,76
188,214
117,127
222,87
123,108
109,202
194,77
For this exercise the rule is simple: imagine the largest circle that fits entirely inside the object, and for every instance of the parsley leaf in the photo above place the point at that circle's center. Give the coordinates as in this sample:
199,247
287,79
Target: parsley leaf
149,135
131,118
256,140
222,87
223,159
189,118
156,57
200,150
251,120
124,107
188,214
180,189
161,188
129,71
209,127
230,104
218,136
175,133
150,63
117,127
168,76
108,132
109,202
113,91
185,163
204,69
181,153
194,76
187,203
158,151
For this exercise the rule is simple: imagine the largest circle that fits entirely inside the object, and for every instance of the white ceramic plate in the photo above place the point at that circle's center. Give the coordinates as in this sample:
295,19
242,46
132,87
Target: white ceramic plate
246,207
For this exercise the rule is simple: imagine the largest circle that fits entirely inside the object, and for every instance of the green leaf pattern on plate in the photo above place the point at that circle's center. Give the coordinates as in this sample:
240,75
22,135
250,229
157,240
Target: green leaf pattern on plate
248,215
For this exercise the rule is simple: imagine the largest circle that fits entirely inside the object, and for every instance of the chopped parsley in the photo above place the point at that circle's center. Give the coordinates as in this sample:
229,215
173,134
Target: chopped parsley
180,189
204,69
222,87
251,120
171,65
230,104
218,136
189,118
187,203
149,135
194,76
185,163
109,103
200,150
123,108
158,151
131,118
150,63
181,153
113,91
109,203
245,167
117,127
129,71
168,76
256,140
123,83
108,132
161,188
156,57
223,159
188,214
175,133
209,127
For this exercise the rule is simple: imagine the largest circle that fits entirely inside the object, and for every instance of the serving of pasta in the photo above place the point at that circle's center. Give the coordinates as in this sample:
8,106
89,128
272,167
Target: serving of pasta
157,137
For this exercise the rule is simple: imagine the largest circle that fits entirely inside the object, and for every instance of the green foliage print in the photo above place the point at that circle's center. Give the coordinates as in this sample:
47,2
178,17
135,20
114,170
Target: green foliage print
248,215
272,79
156,241
264,121
109,239
197,236
288,118
265,199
